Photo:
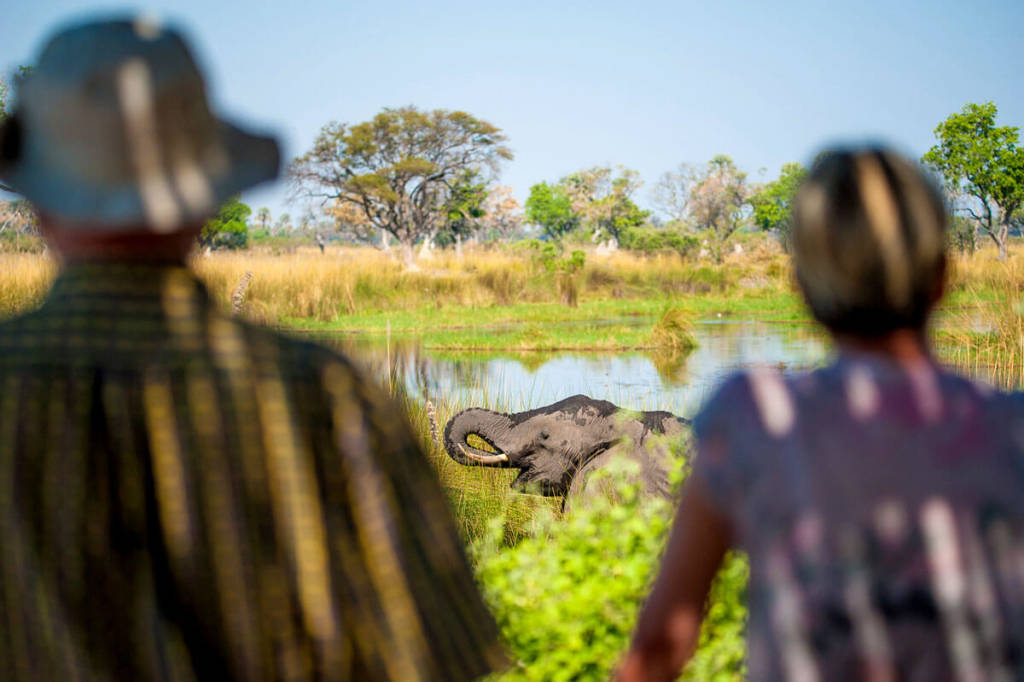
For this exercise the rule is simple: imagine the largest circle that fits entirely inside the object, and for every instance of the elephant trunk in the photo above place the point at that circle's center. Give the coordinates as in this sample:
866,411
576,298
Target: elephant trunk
484,424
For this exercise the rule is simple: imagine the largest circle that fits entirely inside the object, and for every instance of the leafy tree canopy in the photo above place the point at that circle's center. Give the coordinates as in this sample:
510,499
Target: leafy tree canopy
466,205
718,201
550,208
604,199
228,229
773,201
982,164
503,215
401,168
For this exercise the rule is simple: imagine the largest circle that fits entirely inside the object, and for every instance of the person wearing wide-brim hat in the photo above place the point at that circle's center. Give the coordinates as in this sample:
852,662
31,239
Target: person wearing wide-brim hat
183,495
113,133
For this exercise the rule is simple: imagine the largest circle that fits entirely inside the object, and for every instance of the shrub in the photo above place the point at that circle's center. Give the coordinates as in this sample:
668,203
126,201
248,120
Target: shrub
649,240
567,596
674,330
721,652
227,229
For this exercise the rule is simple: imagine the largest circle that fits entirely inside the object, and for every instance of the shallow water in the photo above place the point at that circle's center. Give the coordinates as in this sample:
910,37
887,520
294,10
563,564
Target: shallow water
635,380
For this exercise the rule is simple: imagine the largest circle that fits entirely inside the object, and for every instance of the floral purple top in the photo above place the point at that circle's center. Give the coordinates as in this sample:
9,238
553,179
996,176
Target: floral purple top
882,512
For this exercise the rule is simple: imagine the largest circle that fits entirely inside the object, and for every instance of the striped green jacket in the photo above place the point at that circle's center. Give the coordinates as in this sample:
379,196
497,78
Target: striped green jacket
184,496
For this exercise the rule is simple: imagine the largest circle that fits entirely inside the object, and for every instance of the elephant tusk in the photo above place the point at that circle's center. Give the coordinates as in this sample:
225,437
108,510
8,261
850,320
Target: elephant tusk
483,459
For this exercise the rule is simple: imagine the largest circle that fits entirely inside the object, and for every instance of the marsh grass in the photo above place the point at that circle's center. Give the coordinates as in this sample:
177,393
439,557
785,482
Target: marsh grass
674,331
983,334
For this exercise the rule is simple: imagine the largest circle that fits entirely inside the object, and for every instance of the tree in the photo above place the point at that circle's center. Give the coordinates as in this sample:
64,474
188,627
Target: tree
773,201
306,221
228,229
982,165
671,194
284,223
550,208
465,209
400,168
263,218
604,200
503,215
351,225
718,199
962,234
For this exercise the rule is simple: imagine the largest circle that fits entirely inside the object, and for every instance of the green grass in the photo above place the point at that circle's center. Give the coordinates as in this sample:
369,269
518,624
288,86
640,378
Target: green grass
593,325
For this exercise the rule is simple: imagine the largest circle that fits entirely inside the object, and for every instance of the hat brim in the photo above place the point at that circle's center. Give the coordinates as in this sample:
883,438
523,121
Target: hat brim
248,159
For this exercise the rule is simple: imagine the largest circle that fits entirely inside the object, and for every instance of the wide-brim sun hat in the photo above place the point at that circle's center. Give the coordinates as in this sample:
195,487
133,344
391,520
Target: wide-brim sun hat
113,131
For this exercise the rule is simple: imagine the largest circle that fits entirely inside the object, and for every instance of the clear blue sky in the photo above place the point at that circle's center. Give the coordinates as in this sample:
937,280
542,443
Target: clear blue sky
643,84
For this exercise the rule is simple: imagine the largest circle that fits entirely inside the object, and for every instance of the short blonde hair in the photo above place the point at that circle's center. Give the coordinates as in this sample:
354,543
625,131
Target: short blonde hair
868,241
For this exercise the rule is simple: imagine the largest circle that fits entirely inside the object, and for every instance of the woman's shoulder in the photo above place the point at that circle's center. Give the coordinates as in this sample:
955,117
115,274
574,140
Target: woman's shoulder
752,400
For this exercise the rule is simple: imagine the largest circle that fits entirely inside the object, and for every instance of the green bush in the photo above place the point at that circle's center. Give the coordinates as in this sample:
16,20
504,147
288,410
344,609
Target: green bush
228,229
567,596
722,648
650,240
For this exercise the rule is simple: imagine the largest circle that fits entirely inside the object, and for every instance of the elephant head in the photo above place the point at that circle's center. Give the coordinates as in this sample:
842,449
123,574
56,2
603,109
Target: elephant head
556,446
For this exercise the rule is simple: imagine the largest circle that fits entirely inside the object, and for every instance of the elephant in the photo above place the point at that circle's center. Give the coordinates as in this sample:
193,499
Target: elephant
558,446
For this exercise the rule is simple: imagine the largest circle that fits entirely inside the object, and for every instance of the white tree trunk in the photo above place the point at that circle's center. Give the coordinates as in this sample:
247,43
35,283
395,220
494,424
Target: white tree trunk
385,243
408,255
458,246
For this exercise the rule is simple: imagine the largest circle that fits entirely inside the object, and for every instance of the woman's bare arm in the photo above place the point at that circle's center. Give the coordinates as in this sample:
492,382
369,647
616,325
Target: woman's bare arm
669,625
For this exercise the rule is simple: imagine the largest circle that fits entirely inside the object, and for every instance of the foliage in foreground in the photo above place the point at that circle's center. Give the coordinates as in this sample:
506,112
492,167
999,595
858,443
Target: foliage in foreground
567,596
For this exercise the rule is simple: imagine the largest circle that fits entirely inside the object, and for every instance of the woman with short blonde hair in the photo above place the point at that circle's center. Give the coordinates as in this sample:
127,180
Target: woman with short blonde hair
881,498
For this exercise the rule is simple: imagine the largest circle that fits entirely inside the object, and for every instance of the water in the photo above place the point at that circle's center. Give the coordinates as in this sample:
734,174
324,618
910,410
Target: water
635,380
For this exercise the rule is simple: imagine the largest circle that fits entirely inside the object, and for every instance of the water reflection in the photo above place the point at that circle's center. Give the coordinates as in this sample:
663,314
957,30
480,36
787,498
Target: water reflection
642,381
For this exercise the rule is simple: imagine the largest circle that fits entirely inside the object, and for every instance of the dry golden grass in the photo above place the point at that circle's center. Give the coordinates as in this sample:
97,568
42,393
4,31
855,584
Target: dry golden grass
24,280
346,281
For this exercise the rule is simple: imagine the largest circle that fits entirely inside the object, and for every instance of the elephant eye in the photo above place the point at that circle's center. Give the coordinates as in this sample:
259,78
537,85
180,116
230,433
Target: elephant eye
544,435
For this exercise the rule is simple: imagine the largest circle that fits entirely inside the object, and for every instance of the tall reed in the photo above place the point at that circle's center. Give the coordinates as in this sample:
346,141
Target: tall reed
983,333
